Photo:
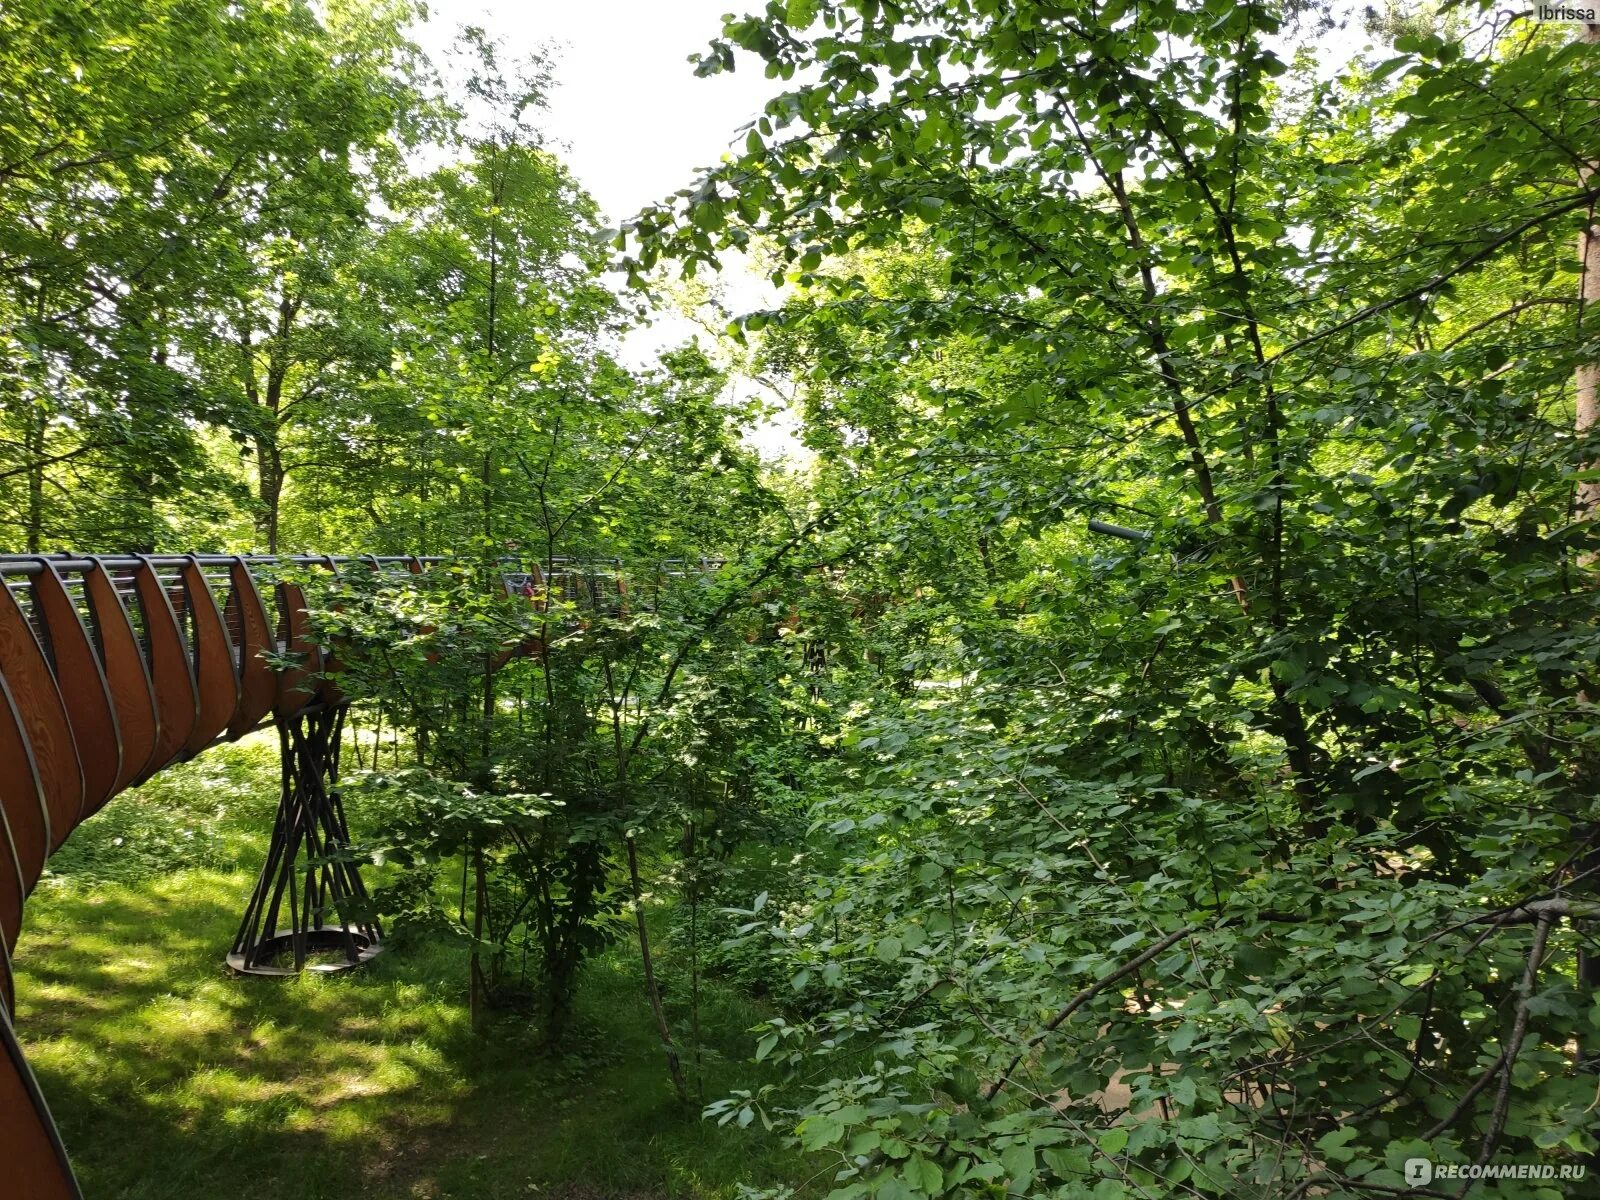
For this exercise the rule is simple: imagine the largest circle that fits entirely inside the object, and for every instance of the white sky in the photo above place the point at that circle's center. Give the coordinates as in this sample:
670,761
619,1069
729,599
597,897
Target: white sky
634,123
629,115
631,118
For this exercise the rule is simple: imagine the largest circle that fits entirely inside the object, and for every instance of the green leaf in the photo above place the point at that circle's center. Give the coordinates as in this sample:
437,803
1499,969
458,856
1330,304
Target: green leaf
1068,1162
819,1130
1182,1090
1335,1144
1018,1161
924,1175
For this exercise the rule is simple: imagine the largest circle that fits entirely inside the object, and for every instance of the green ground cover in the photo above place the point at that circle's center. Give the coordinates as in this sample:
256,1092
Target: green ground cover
173,1080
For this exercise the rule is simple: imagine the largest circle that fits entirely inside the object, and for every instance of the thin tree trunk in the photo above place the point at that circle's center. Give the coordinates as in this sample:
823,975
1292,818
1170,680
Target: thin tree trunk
142,482
1300,748
34,438
1588,374
34,444
1588,507
269,474
692,871
475,997
674,1067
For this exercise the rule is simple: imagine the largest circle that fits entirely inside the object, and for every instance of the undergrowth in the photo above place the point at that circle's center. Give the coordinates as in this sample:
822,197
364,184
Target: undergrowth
173,1080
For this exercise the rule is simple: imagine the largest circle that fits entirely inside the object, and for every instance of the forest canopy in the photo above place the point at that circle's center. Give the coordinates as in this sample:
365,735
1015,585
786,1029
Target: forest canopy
1140,741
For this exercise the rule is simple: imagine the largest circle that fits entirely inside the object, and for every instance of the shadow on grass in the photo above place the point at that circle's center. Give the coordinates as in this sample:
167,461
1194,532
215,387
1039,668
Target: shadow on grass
174,1080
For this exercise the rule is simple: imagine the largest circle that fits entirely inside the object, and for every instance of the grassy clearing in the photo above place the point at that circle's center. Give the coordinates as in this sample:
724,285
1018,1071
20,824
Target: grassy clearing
172,1079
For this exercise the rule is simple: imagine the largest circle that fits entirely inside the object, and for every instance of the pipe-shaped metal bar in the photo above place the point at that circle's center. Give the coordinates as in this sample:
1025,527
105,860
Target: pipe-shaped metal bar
14,564
1119,531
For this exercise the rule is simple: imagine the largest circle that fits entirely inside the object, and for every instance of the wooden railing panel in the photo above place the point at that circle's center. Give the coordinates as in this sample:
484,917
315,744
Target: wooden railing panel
216,677
127,676
295,686
83,688
258,682
171,673
24,828
43,718
34,1163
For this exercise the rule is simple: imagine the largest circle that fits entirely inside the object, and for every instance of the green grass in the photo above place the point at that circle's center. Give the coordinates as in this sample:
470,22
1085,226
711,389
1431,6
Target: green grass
173,1079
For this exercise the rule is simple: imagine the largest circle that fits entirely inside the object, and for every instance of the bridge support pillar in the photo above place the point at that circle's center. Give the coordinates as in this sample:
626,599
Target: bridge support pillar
310,909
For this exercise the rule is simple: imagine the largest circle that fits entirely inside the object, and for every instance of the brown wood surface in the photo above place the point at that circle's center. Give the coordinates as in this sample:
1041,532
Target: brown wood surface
11,893
33,1164
295,687
127,677
258,682
216,679
171,673
43,717
83,688
8,980
329,692
24,840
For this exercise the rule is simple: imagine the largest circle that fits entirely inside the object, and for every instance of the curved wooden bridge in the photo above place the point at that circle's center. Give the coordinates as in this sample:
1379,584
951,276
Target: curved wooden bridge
114,667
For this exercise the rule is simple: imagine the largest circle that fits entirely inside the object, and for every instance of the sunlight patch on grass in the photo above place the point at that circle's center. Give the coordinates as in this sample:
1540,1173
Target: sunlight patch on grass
174,1019
168,1074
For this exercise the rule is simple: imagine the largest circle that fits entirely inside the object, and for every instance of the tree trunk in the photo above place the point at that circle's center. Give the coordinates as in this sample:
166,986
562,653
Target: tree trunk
33,444
477,993
269,476
1588,507
674,1067
1588,374
141,482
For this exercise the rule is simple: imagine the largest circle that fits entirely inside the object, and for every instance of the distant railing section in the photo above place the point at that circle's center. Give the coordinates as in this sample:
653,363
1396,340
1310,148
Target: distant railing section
113,667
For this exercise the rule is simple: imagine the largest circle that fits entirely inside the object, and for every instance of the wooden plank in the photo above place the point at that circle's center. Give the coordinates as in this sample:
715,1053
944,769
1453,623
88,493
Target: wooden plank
127,676
216,677
11,898
43,718
83,687
171,672
295,688
330,692
8,980
24,832
35,1163
258,682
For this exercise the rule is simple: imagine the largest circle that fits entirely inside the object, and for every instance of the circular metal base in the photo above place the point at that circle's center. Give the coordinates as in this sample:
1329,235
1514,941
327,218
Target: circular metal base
324,939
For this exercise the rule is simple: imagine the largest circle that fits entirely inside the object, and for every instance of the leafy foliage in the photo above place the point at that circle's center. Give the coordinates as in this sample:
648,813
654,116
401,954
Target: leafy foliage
1240,814
1149,750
